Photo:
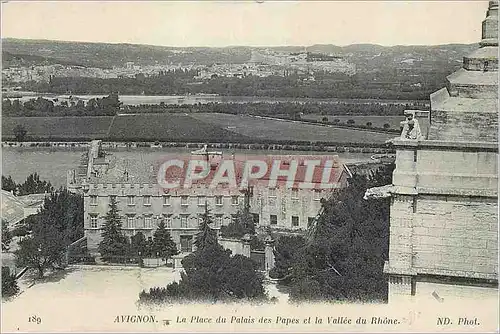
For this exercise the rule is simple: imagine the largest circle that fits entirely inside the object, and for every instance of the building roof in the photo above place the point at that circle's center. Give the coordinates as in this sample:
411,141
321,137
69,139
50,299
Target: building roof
33,200
12,208
145,172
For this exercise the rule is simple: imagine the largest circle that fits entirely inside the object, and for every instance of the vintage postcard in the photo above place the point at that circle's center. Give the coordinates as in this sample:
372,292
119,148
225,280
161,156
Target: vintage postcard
249,166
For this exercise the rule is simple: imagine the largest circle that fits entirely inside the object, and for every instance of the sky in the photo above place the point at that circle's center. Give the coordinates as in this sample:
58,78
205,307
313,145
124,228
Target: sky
247,22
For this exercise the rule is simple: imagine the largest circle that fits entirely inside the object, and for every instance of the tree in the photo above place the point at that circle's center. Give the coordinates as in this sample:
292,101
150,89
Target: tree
8,184
387,126
92,104
9,283
206,236
138,244
20,133
324,119
33,185
113,244
163,245
344,256
41,250
211,274
369,124
350,121
80,105
336,121
286,251
65,209
243,223
6,235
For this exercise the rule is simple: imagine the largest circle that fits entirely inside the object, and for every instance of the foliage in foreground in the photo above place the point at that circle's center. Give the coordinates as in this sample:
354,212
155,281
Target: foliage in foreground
9,283
211,274
344,257
6,236
48,233
113,244
32,185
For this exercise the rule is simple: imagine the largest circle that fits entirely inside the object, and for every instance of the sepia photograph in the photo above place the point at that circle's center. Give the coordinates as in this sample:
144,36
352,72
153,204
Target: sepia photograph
249,166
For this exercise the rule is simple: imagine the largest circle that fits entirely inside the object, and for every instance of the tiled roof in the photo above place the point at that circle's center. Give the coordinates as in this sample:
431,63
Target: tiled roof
145,172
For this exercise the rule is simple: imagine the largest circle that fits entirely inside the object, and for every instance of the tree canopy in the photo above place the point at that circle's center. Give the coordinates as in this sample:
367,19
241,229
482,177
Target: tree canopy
6,235
33,185
211,275
207,236
163,245
343,257
114,244
8,184
9,283
48,233
42,249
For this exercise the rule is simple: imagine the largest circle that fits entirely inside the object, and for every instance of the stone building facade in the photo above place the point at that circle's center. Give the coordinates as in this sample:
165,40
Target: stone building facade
444,210
143,203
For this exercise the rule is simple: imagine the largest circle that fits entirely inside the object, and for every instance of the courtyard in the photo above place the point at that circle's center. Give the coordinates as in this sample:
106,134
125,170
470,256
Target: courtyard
96,293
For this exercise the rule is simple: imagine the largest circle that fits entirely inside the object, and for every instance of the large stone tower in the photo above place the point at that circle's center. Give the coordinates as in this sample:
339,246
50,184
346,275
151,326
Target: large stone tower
444,212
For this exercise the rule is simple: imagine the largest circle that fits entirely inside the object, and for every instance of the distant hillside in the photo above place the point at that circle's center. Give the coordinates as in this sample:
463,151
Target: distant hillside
367,57
107,55
11,59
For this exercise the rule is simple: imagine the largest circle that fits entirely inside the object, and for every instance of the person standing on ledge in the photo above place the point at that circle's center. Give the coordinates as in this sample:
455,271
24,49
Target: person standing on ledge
411,128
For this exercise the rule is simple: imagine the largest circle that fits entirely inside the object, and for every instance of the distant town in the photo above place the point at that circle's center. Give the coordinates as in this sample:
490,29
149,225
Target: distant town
261,65
138,177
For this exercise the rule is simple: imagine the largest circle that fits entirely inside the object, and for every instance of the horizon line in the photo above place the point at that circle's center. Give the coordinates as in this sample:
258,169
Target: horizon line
233,46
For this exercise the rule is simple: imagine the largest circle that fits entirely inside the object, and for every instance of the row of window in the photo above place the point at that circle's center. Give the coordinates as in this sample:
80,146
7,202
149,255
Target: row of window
146,200
295,220
153,221
148,222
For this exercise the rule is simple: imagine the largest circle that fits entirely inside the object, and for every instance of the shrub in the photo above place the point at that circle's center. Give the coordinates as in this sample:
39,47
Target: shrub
9,283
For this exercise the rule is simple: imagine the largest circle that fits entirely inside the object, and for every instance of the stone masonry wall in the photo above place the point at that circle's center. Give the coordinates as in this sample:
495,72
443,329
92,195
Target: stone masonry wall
463,126
456,293
400,242
456,234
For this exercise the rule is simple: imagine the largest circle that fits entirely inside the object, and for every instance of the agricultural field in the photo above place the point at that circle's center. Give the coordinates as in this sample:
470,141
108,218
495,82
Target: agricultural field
58,127
376,121
261,128
190,127
166,127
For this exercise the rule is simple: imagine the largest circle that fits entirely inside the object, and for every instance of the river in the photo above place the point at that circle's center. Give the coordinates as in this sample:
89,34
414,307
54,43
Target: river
132,100
52,164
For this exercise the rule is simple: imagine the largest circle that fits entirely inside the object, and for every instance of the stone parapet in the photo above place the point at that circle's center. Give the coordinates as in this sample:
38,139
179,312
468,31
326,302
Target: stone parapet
483,59
471,146
473,84
463,171
444,209
461,126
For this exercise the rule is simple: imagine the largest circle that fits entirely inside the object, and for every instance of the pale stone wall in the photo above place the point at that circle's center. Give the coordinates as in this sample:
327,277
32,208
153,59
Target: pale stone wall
456,234
463,126
444,211
400,288
464,171
455,293
282,202
400,239
234,245
444,214
304,204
